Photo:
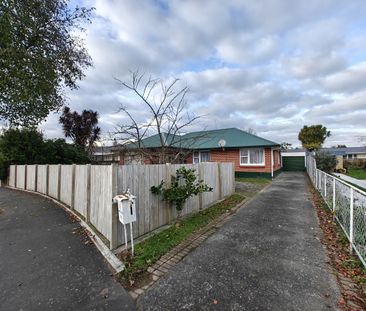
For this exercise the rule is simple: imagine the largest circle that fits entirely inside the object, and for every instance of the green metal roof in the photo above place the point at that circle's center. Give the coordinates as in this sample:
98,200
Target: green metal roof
233,137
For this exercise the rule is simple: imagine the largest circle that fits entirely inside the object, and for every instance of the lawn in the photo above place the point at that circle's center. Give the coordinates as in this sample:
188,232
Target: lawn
357,173
258,180
151,249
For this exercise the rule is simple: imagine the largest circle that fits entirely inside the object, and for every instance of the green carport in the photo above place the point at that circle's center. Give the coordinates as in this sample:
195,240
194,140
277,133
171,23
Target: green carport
293,161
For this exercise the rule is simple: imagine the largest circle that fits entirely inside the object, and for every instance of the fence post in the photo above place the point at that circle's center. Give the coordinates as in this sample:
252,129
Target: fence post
325,187
59,168
73,186
47,178
334,197
200,195
88,189
168,179
35,177
114,214
351,222
15,175
233,168
25,176
316,178
219,179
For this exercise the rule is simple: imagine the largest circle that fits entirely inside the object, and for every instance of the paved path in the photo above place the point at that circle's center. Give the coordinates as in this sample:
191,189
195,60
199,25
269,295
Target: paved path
267,257
45,266
358,182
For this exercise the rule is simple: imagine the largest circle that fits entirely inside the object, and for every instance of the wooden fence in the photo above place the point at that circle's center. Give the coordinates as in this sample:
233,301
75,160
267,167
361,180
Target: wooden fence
89,189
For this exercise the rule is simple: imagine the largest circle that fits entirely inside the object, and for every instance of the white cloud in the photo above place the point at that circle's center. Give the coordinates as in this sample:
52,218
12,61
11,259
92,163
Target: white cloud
271,65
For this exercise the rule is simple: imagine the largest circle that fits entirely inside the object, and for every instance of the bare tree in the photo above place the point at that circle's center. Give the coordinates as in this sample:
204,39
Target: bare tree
168,119
251,130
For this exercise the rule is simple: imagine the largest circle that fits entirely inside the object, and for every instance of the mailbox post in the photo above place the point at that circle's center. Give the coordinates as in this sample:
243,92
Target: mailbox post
126,213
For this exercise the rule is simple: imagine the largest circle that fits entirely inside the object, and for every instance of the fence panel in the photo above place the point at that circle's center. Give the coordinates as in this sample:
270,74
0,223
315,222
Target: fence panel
151,211
101,198
20,182
53,180
348,204
66,184
81,188
227,179
42,179
209,173
31,177
359,218
11,179
89,189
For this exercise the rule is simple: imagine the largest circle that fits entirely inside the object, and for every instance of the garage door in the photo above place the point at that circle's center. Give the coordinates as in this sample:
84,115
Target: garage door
293,163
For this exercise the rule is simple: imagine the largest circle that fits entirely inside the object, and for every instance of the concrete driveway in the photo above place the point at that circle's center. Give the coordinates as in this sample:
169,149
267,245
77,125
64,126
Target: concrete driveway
267,257
46,265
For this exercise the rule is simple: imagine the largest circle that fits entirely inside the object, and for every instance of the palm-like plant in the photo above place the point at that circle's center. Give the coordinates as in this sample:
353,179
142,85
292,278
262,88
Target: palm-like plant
81,128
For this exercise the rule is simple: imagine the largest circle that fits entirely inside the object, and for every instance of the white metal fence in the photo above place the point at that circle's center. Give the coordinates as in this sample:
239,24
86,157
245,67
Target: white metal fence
348,204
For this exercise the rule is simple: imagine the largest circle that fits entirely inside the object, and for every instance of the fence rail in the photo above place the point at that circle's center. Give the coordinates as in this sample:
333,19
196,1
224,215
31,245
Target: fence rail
347,203
89,189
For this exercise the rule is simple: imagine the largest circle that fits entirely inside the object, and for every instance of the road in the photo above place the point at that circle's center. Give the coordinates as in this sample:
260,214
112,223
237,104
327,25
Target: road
45,264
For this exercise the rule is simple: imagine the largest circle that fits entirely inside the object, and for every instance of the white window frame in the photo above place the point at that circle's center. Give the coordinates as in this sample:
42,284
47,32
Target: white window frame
198,155
248,156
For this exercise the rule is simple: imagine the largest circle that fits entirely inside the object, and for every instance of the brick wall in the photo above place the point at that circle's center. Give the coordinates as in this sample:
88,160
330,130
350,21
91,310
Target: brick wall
232,155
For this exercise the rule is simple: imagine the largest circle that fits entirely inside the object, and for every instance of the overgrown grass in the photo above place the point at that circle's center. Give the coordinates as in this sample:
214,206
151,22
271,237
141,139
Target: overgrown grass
151,249
254,180
357,173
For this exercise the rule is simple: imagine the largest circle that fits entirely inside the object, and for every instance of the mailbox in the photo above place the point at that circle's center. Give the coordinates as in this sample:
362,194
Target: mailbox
126,207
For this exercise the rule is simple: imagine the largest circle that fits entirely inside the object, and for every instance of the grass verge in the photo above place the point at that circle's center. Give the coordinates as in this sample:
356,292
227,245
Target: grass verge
150,250
357,173
258,181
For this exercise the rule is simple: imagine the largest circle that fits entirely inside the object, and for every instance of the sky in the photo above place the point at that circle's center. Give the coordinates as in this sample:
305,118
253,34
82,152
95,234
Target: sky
271,65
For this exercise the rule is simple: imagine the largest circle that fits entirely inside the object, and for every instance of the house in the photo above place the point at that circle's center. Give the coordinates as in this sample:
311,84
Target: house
251,154
104,155
348,153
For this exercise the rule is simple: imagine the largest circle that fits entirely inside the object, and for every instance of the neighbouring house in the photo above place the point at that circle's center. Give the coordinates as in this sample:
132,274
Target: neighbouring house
348,153
251,154
104,155
295,159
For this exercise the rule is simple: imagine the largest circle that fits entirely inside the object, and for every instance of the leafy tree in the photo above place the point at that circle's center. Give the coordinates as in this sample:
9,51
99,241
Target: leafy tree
24,146
325,161
40,57
312,137
27,146
60,152
81,128
285,146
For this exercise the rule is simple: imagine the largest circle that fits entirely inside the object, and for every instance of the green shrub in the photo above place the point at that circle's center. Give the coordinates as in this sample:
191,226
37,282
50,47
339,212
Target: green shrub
182,186
325,161
28,146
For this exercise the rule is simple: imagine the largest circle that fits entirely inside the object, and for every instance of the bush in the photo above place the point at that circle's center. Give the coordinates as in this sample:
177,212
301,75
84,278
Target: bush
325,161
27,146
355,163
183,185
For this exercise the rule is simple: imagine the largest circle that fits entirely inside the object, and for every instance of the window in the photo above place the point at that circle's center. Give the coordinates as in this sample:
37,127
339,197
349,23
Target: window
201,156
196,157
253,156
205,156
